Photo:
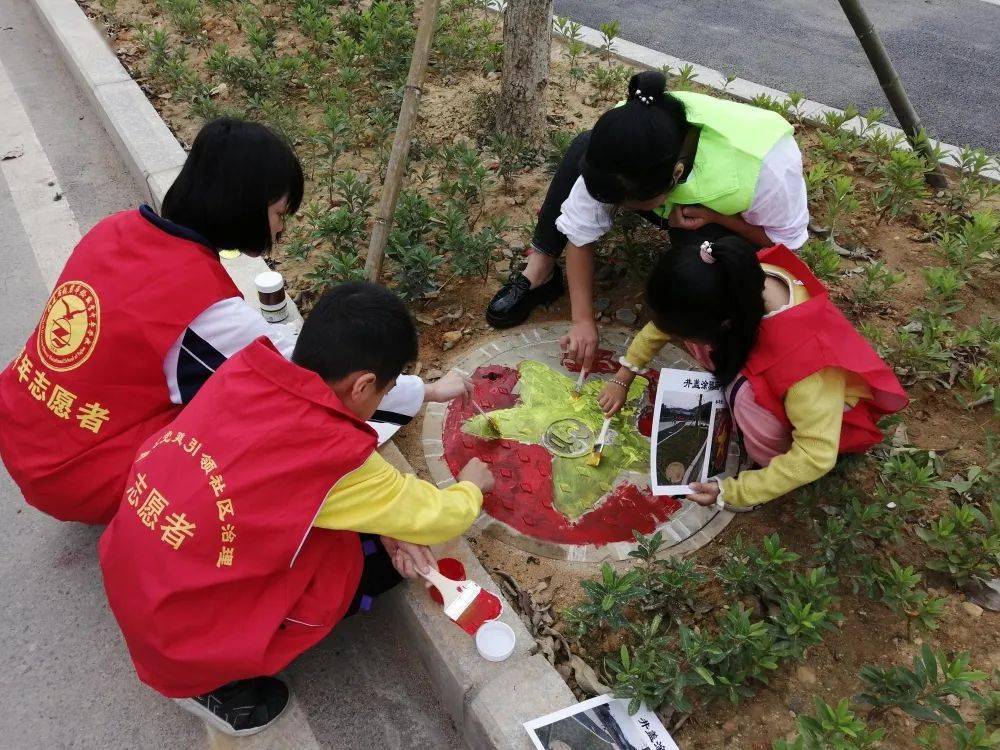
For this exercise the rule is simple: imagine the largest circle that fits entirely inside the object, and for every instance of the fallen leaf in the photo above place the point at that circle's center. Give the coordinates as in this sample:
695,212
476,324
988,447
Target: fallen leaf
14,153
587,678
548,648
986,595
449,339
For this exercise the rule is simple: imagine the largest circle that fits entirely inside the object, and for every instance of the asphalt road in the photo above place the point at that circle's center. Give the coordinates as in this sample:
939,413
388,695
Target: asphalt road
945,51
66,679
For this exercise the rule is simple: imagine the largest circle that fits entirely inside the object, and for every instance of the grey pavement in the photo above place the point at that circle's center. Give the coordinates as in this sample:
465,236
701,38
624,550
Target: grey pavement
945,51
66,677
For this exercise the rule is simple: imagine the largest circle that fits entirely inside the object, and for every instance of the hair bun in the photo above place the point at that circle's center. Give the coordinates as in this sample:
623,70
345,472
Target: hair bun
648,87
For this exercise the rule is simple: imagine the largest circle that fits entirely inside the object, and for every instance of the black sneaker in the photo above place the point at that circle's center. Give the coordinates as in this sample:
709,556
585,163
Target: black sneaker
514,302
240,708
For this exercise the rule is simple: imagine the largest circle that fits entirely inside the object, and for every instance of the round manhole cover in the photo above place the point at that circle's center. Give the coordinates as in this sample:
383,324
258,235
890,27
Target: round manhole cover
549,499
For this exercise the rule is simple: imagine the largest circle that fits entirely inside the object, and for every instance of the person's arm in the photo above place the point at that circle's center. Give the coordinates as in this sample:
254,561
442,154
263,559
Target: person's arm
696,216
583,220
815,407
398,407
213,337
757,236
646,344
378,499
581,341
780,206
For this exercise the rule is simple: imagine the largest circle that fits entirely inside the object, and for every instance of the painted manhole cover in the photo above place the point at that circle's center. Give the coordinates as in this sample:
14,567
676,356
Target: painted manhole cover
547,499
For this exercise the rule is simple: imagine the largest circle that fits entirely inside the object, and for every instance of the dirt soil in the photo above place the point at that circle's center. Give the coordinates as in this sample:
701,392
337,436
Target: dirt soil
455,107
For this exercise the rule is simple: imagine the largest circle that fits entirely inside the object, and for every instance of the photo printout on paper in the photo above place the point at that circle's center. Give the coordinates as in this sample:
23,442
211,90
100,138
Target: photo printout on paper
682,450
601,723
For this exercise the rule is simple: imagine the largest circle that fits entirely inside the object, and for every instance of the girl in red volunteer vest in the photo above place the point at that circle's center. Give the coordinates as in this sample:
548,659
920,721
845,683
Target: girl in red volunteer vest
142,314
803,385
262,515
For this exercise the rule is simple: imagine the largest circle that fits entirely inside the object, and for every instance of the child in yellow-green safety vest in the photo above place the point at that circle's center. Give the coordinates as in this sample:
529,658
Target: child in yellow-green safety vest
700,167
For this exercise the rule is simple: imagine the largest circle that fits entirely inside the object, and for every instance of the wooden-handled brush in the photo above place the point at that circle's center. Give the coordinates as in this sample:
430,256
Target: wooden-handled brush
489,419
465,602
595,455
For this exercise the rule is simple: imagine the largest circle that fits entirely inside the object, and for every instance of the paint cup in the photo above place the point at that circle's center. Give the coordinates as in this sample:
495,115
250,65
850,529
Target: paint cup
495,640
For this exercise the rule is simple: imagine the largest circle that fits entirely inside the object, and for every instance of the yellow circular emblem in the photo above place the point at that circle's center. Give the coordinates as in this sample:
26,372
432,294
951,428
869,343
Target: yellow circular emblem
70,326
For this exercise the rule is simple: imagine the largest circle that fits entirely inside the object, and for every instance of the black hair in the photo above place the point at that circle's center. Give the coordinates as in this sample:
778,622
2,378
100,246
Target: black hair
633,148
719,303
235,170
357,326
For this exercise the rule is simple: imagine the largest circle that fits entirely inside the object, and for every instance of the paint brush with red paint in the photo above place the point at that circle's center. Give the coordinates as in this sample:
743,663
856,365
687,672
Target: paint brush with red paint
465,602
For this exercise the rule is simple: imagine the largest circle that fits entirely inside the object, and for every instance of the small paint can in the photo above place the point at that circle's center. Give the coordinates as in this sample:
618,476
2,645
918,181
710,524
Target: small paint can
495,641
271,295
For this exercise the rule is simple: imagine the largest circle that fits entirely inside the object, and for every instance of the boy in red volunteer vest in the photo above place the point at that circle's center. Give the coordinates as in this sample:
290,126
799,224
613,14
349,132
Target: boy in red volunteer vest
262,515
802,384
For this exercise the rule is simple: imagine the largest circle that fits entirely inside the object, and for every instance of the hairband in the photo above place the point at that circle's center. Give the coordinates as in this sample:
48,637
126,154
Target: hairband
705,251
647,100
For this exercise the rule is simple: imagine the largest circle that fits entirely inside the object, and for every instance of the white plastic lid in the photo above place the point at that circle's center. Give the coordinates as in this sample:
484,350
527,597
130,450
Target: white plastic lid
269,281
495,640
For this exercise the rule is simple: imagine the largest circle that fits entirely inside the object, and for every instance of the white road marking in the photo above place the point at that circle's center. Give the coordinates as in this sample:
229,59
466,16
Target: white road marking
51,227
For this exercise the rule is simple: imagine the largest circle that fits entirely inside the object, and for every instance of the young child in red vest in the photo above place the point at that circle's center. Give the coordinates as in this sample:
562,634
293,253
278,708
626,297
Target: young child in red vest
142,314
802,384
229,559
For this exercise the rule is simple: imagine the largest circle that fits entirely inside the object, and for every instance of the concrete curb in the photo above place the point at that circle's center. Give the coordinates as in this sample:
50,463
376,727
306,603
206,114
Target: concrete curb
150,151
739,88
487,701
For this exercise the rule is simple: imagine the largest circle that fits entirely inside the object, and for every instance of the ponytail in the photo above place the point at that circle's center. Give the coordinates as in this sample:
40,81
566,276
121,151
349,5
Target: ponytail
711,294
633,148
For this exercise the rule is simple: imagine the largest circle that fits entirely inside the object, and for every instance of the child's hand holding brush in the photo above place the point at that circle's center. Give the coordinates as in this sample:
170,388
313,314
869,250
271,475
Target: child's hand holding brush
615,392
451,386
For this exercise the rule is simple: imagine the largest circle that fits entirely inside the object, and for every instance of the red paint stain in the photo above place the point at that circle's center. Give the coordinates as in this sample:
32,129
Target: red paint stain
522,495
485,607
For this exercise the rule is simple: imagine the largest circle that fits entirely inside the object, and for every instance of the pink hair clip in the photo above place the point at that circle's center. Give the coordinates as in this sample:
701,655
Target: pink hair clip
705,251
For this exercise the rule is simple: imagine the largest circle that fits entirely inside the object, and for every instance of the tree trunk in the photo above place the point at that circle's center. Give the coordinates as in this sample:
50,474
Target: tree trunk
527,41
908,118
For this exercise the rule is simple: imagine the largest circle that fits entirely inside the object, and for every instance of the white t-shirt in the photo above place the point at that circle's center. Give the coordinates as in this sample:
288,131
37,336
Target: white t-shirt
779,204
230,325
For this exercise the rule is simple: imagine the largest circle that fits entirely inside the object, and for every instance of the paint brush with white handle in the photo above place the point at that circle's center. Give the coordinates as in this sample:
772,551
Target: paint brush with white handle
465,602
595,455
578,388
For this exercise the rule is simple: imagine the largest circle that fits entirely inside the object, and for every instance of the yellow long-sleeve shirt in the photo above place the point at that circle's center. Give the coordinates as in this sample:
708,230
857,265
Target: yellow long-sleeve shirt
815,407
378,499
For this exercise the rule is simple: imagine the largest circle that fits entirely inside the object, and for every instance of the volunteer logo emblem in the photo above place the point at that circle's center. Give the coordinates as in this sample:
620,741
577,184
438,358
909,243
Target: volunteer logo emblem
70,326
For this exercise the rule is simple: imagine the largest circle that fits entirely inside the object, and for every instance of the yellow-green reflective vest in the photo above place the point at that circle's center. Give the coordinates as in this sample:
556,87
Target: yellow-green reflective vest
734,139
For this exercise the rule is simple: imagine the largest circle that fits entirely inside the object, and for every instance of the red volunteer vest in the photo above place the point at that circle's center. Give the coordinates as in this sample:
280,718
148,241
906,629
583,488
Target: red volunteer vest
211,565
89,386
804,339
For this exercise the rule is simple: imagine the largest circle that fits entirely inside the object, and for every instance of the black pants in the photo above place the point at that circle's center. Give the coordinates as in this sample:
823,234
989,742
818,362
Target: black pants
550,241
377,576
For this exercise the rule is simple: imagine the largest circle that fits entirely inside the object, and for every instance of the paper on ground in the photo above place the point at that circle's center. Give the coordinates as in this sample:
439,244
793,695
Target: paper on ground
601,722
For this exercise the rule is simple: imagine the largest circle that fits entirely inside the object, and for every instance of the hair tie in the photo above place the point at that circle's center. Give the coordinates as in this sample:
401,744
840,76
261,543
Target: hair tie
705,251
647,100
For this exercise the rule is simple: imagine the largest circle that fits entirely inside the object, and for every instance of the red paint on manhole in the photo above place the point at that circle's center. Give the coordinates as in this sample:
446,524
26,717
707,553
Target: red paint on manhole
522,495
